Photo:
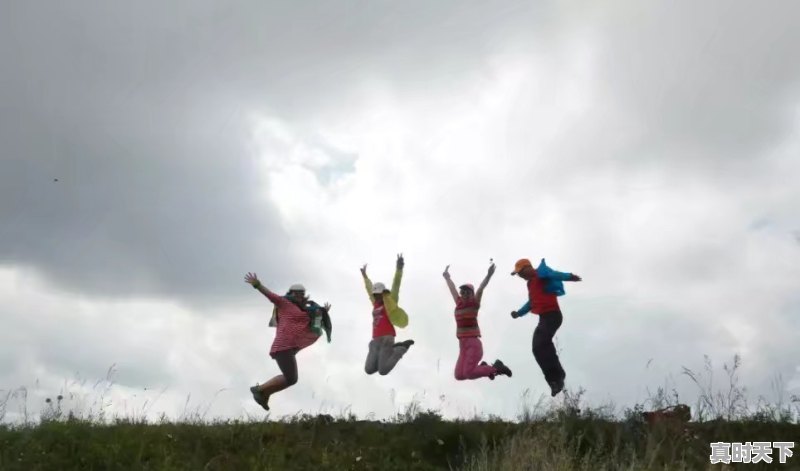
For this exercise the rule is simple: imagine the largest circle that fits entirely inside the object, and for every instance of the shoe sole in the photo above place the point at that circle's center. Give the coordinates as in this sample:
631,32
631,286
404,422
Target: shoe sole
554,392
258,396
503,369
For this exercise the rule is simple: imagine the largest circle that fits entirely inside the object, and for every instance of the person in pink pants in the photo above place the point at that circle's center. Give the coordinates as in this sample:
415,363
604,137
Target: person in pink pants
468,302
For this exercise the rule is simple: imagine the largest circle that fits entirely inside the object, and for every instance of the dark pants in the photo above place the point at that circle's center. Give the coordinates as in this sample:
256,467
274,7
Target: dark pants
543,349
288,364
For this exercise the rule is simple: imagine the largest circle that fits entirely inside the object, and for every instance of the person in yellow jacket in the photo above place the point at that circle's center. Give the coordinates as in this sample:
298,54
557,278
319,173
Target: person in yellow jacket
384,353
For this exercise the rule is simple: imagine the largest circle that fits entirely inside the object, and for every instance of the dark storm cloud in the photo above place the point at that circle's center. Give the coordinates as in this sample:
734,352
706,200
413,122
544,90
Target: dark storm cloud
139,112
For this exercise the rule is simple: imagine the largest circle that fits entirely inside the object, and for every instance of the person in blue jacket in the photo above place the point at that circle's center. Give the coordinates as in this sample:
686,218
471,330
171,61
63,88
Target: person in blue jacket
544,286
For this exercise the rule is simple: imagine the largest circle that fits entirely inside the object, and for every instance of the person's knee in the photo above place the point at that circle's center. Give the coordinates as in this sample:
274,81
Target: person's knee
471,375
460,376
385,367
370,366
291,378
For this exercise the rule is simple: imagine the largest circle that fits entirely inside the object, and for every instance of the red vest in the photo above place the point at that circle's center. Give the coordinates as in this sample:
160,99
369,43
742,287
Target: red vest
541,301
467,318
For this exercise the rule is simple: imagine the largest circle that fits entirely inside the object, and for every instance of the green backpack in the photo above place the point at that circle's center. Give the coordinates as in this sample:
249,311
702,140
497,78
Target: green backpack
319,320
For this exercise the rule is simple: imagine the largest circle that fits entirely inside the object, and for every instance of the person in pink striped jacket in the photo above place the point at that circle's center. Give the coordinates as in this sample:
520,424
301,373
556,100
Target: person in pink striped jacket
468,302
293,334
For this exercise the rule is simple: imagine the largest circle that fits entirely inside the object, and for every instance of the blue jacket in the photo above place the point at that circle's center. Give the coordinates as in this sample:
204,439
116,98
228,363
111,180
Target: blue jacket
554,279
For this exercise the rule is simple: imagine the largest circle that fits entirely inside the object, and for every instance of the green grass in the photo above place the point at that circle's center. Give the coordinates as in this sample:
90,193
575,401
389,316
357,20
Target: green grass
305,443
559,441
564,437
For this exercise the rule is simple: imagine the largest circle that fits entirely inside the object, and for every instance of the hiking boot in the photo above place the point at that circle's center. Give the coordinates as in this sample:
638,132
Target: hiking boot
556,387
405,343
501,368
259,397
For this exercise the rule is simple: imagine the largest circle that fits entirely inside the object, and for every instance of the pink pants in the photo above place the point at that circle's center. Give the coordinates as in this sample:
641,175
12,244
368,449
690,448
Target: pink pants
469,355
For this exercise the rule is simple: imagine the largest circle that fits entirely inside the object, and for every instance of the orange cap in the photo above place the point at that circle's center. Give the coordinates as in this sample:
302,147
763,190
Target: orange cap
521,263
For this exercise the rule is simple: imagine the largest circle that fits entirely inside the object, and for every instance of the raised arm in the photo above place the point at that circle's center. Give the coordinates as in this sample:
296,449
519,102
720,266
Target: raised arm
398,275
450,283
564,276
367,283
479,293
276,299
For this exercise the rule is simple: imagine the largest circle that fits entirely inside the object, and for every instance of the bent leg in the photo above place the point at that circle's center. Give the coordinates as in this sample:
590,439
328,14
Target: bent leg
474,353
459,371
539,347
389,355
543,348
371,365
288,365
558,369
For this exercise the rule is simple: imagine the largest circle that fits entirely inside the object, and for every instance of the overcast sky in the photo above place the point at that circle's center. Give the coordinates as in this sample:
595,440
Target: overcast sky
151,154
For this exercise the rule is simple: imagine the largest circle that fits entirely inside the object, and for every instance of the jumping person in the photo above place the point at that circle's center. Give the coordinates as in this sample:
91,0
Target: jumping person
295,331
544,286
383,352
468,302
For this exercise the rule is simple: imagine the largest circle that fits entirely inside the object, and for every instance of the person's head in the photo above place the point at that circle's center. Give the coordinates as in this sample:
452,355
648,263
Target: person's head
466,291
378,290
297,294
523,268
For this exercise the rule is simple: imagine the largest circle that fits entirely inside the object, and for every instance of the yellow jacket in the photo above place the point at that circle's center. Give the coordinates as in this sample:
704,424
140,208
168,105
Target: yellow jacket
397,316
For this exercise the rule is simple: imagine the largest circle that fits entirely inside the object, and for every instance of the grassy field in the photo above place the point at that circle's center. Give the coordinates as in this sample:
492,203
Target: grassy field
562,441
564,437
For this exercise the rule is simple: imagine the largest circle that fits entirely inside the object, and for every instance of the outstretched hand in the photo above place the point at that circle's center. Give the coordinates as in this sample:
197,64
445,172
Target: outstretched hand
446,273
364,270
514,314
576,278
400,261
491,269
252,278
327,307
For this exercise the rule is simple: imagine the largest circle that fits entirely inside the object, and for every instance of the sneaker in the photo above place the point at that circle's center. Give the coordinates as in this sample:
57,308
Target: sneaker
259,397
502,368
405,343
556,387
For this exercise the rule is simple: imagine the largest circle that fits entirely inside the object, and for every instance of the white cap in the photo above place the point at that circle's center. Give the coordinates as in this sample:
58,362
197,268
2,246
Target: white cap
378,288
297,287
